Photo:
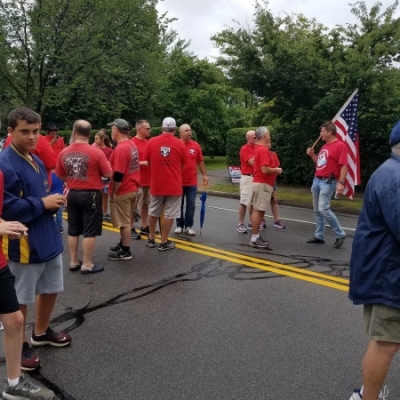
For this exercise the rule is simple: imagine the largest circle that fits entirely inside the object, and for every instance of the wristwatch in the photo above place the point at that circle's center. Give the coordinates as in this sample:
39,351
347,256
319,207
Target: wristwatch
341,182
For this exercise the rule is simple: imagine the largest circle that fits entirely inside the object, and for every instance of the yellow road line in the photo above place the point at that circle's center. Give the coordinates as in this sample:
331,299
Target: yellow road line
258,263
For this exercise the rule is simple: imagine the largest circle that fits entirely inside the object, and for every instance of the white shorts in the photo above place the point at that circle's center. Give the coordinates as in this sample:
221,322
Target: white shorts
246,190
172,206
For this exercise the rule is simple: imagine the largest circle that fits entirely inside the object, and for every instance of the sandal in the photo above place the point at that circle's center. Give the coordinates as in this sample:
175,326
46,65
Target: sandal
75,267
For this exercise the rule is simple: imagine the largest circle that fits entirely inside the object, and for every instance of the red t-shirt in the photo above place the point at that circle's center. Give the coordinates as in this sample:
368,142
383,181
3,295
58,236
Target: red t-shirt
194,156
167,156
83,165
246,153
262,157
276,162
331,158
3,259
44,151
125,159
145,170
106,150
58,146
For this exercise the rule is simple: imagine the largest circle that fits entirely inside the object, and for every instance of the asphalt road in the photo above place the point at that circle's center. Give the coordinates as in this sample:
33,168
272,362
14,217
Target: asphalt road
213,319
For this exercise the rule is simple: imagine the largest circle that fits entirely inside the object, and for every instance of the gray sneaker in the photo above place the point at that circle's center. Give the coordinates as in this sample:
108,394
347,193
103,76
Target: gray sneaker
168,245
27,389
260,243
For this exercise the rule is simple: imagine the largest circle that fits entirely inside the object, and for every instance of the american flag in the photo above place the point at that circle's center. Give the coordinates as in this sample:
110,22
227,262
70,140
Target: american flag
346,122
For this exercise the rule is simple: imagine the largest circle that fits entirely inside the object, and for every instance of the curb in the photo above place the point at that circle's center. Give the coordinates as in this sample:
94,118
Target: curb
293,203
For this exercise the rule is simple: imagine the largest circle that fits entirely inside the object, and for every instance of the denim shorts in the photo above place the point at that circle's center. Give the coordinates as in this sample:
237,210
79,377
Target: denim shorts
34,279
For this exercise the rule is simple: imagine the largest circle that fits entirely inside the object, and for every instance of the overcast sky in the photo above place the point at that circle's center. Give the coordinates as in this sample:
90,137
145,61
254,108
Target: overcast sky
198,20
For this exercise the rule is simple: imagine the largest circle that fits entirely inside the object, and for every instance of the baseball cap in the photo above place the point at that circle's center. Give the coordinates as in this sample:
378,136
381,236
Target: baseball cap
51,126
395,134
169,123
121,124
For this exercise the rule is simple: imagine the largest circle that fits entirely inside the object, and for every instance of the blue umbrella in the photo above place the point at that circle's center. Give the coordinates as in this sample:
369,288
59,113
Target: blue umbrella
203,199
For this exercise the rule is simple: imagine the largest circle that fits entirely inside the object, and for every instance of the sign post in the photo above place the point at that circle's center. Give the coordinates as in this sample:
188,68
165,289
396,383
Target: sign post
235,174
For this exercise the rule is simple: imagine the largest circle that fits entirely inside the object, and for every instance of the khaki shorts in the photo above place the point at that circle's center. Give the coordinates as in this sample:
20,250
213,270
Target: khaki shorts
171,204
261,196
382,323
122,208
144,196
246,191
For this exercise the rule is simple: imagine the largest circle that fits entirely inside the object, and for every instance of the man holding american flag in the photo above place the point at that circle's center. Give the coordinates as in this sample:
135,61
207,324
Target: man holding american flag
331,170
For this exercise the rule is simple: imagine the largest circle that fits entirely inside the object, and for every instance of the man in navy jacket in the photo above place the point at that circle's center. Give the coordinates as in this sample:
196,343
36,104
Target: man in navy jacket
375,270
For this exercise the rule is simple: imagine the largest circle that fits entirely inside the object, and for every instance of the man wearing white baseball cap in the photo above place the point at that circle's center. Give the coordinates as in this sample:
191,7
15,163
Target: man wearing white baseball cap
167,156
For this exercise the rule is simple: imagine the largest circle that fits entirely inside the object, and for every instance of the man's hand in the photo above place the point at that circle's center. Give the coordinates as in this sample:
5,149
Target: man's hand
279,171
53,202
12,229
113,196
205,180
339,188
54,140
310,151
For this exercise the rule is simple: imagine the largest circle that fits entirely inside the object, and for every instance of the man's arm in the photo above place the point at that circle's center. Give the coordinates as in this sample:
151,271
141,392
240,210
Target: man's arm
270,171
342,178
251,161
311,153
202,168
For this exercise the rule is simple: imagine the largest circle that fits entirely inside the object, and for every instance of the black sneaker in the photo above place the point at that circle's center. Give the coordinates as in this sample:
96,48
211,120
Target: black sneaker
316,240
29,360
151,243
135,235
144,230
120,255
52,338
168,245
115,248
339,241
27,389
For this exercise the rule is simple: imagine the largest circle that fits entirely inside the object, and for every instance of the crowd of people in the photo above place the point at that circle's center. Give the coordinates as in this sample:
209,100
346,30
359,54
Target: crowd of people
159,177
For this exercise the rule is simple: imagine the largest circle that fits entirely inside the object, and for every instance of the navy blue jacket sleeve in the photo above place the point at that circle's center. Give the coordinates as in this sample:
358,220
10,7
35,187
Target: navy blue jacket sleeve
16,208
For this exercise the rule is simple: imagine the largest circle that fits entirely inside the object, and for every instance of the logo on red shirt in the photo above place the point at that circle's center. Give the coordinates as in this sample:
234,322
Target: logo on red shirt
165,151
76,164
192,151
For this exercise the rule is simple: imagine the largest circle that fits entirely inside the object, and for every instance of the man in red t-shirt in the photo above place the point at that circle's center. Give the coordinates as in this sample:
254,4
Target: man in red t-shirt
124,186
274,198
82,167
189,180
264,175
167,156
140,140
246,155
330,174
56,142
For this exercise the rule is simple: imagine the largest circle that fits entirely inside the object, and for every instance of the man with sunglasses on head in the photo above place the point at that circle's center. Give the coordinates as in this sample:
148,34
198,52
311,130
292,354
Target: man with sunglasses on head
246,166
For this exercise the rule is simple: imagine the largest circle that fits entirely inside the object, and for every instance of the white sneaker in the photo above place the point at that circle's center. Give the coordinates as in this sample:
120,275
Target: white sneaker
190,232
383,395
178,229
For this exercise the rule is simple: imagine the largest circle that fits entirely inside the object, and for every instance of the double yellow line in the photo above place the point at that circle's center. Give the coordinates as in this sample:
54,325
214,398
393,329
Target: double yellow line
258,263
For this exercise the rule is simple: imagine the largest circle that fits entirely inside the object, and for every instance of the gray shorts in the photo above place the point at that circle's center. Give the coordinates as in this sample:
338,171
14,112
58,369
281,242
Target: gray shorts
34,279
382,323
171,204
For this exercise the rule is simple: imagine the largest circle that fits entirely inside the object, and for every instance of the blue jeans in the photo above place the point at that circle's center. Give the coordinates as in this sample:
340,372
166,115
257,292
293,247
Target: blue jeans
322,193
186,221
59,217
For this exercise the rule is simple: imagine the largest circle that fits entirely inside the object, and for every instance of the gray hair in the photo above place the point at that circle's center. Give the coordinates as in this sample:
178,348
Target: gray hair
396,149
261,131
